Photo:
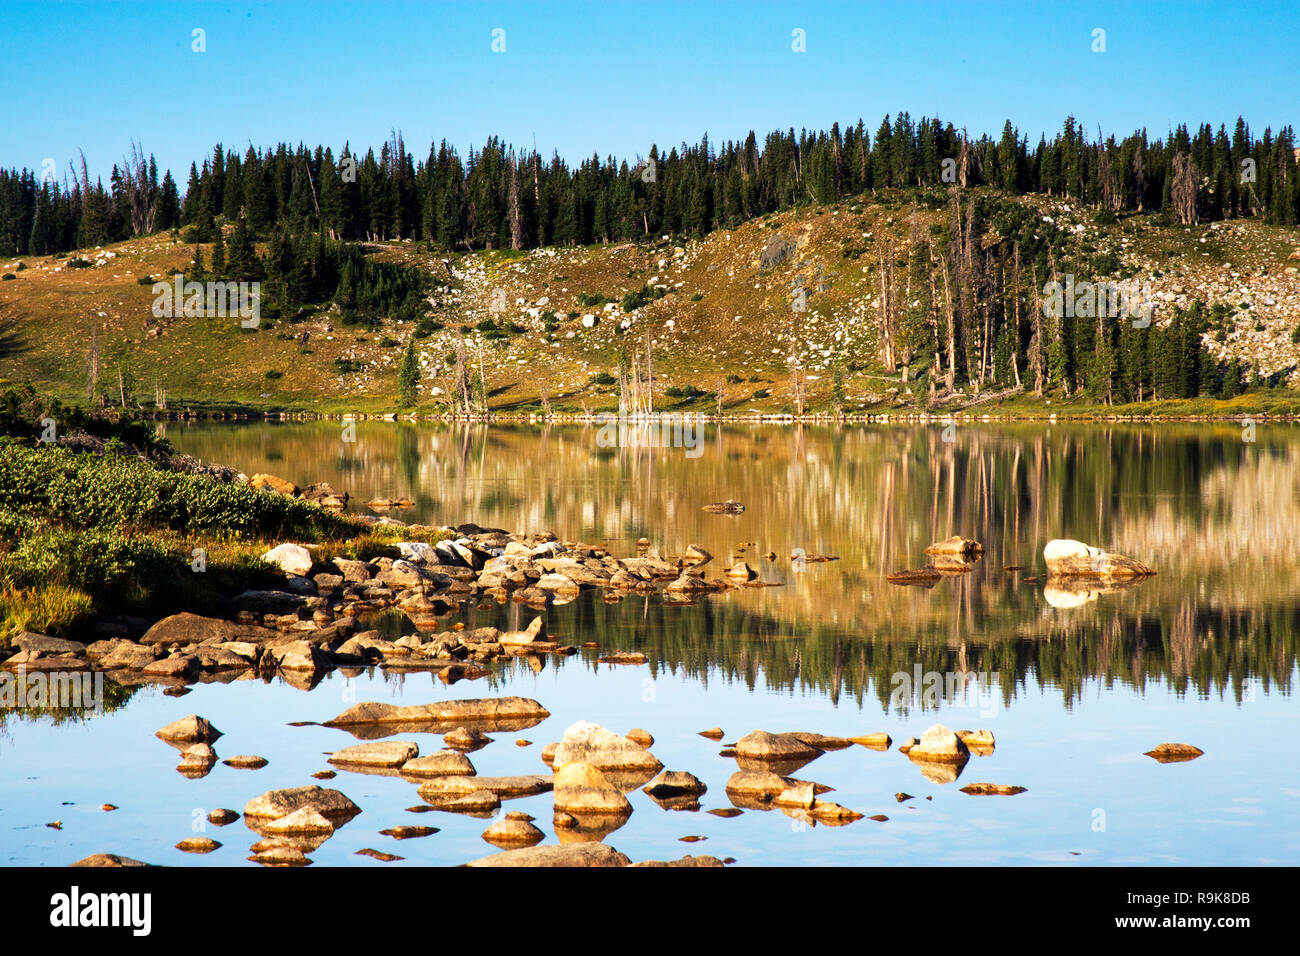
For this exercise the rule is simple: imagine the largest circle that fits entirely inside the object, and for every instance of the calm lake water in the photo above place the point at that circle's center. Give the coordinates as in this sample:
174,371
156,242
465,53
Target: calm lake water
1078,685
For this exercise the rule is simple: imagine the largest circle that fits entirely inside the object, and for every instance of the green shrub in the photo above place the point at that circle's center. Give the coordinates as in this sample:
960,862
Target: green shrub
85,491
686,391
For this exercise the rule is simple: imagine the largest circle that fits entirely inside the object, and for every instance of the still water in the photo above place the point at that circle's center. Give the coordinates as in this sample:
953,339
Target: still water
1075,685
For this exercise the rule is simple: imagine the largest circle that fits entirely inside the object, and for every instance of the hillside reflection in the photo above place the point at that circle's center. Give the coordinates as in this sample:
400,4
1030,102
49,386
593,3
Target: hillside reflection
1217,516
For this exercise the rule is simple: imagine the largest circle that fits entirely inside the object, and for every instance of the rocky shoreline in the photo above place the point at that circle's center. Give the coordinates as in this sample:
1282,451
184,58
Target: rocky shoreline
318,620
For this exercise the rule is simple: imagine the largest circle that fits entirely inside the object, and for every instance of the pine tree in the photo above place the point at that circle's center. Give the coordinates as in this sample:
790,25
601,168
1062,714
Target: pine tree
218,255
408,377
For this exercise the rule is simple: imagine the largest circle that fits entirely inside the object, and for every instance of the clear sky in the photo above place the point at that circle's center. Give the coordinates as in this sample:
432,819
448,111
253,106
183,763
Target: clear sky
614,77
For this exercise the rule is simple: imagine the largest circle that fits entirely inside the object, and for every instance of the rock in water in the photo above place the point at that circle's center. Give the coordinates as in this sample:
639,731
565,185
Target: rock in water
189,730
488,708
280,803
939,743
1174,753
443,763
302,820
107,859
673,783
383,753
568,855
956,545
581,788
1068,558
991,789
761,745
515,830
603,749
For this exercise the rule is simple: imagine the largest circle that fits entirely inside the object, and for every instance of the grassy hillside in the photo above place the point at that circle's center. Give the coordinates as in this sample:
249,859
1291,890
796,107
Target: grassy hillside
558,321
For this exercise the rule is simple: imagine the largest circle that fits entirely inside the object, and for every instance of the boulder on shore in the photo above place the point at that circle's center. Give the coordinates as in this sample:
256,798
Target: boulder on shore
279,485
1066,558
289,558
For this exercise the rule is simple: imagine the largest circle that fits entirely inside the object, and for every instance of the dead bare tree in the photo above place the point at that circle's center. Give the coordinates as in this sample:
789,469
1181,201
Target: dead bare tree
93,372
1186,183
141,197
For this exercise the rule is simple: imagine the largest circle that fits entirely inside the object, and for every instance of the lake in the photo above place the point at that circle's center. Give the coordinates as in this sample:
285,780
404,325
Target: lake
1075,684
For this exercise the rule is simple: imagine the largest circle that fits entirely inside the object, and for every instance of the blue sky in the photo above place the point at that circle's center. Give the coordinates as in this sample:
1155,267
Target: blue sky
614,77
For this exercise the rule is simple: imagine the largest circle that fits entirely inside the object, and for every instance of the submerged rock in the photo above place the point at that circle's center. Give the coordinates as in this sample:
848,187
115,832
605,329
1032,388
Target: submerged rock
1065,557
1174,753
408,832
246,762
879,741
198,845
448,711
379,855
991,789
107,859
686,861
568,855
384,753
466,738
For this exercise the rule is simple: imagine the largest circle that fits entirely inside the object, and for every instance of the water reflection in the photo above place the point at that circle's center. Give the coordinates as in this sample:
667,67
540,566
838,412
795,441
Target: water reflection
1215,515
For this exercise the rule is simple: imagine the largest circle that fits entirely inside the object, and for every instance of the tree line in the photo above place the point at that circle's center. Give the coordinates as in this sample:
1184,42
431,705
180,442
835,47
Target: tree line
502,197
